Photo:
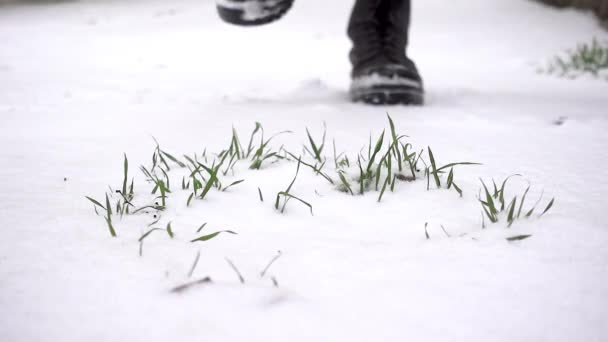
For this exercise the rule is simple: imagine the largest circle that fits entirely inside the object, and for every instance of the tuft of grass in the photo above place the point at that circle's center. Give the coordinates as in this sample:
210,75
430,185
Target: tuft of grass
586,58
380,169
493,204
263,152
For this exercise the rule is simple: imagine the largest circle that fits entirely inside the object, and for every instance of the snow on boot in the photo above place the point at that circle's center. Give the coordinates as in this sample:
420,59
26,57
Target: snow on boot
382,73
387,83
252,12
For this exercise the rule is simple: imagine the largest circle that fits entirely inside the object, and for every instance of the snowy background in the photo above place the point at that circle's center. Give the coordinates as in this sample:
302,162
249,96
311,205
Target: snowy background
82,82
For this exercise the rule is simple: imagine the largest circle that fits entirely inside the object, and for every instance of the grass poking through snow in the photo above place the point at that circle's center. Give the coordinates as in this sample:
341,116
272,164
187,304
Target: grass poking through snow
384,162
494,204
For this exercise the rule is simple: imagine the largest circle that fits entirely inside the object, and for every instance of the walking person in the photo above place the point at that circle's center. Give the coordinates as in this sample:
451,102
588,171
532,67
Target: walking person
381,71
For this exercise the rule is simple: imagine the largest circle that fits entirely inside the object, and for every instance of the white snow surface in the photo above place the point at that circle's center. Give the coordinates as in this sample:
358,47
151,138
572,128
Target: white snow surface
81,82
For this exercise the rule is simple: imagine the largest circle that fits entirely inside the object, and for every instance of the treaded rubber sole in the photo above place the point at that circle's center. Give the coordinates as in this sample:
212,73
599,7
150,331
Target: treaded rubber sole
388,95
235,12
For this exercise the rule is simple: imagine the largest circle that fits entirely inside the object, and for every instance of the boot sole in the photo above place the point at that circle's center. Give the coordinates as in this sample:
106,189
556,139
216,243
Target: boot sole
388,95
236,12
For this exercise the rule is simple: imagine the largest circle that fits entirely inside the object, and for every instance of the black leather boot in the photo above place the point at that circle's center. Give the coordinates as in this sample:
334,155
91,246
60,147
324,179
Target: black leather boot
252,12
382,73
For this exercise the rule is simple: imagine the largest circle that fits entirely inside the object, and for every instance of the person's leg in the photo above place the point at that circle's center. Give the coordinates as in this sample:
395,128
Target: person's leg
252,12
381,71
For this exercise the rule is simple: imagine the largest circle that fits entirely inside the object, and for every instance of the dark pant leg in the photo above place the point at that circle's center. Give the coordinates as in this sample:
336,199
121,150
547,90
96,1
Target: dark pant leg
378,30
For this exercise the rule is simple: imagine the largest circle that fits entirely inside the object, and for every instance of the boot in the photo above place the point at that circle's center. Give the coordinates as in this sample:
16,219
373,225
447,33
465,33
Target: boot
381,71
252,12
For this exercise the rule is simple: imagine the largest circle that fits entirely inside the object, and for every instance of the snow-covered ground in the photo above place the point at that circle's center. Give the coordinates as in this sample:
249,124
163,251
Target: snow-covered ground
81,82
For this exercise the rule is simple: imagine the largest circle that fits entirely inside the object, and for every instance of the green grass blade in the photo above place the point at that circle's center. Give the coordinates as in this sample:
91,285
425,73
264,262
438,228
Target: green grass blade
434,168
529,213
377,149
233,184
345,182
288,195
148,207
395,141
501,197
393,183
447,166
489,200
518,237
491,216
208,185
170,230
162,159
548,207
316,169
496,192
108,208
154,222
145,235
521,203
295,177
126,175
457,189
257,128
201,227
189,199
384,187
212,235
450,178
361,176
111,227
511,211
316,151
95,202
